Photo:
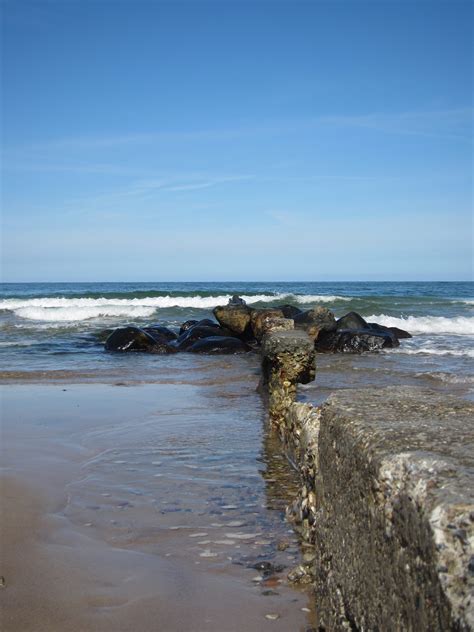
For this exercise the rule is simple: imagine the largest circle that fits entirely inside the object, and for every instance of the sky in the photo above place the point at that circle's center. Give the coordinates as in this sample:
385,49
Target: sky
250,140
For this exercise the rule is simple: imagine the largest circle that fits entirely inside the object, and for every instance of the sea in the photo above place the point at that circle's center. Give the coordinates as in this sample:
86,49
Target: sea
60,328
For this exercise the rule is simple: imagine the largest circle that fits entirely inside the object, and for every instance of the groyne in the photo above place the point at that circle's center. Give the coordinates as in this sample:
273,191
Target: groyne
386,498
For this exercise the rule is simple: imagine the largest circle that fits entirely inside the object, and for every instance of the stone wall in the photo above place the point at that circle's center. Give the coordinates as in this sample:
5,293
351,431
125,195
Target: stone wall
387,500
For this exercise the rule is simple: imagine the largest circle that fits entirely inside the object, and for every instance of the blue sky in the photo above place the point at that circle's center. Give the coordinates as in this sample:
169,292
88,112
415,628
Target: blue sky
237,140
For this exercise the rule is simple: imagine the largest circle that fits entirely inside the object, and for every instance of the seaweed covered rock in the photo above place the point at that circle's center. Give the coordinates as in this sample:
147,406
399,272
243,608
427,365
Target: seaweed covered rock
126,339
218,345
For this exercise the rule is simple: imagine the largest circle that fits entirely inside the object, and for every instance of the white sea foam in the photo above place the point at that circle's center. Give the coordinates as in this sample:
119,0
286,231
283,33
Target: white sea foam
317,298
70,314
427,324
77,309
469,353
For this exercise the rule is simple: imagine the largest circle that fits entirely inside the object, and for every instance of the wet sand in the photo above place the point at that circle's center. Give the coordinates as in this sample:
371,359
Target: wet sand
144,508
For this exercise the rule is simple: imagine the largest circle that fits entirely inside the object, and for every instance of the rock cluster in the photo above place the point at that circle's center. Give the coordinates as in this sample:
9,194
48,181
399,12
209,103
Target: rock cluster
240,328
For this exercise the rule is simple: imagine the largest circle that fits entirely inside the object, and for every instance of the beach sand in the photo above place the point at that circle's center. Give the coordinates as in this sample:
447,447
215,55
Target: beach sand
142,555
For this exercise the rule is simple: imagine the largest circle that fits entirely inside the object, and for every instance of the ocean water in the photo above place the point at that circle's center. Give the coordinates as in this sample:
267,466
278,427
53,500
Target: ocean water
60,327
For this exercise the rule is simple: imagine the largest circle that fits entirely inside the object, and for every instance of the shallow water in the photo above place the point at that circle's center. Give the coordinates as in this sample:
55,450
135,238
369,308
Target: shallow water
184,472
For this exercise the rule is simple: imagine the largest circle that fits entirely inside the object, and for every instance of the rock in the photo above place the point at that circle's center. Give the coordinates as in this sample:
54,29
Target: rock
235,317
258,318
197,333
207,322
354,341
399,333
277,324
135,339
160,331
352,320
299,574
375,327
267,568
236,300
289,311
313,321
218,344
287,358
187,325
283,545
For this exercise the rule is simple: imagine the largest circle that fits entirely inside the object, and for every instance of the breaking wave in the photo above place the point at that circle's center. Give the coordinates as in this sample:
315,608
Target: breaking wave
77,309
427,324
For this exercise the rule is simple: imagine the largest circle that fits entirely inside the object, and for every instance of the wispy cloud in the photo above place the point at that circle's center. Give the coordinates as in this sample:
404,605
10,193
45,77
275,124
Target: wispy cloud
148,189
450,124
453,124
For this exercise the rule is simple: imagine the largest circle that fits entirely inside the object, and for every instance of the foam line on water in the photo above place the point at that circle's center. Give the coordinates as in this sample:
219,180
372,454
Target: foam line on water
427,324
468,353
77,309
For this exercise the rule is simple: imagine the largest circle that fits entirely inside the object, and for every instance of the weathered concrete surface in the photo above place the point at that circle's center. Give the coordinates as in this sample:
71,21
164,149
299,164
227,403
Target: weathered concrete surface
263,320
288,357
394,498
300,434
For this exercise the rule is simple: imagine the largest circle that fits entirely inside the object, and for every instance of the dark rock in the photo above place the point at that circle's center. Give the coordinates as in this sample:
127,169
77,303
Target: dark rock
400,333
235,317
352,320
197,333
187,325
236,300
394,331
218,344
160,331
101,336
289,311
267,568
135,339
313,321
207,322
354,341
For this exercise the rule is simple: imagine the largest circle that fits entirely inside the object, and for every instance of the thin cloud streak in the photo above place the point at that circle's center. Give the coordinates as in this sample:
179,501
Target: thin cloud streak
456,123
147,189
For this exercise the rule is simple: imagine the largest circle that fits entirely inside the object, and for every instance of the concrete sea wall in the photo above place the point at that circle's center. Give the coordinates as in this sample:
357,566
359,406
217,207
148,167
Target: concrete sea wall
387,500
